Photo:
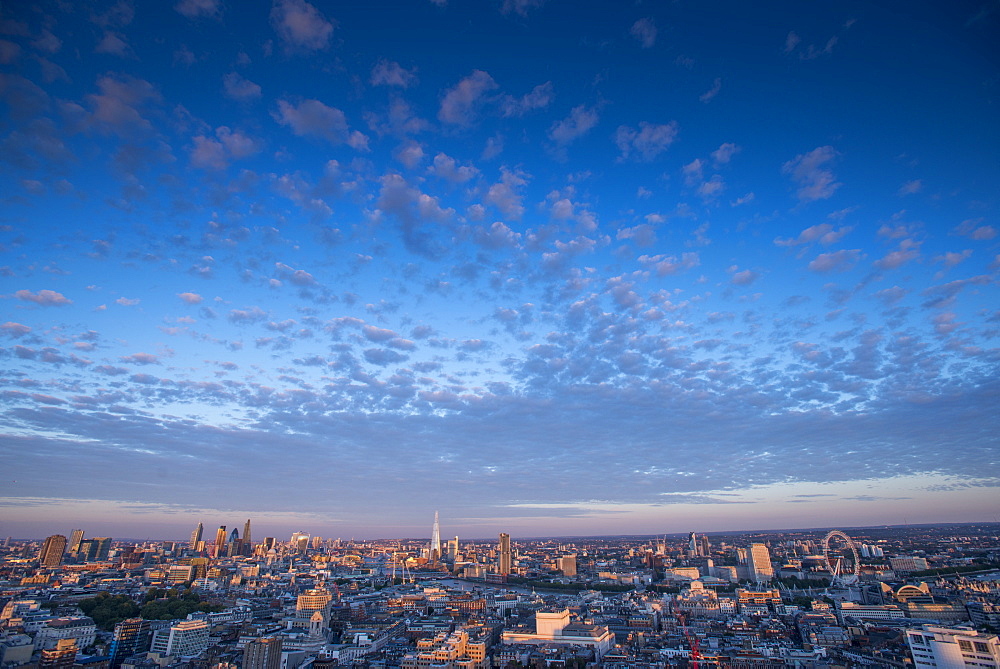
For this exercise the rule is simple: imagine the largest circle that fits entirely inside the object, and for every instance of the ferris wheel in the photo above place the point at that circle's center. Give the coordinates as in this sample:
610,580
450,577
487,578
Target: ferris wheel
835,569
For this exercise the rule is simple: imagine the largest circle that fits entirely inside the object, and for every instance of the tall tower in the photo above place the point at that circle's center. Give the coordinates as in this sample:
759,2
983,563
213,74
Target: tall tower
759,563
504,563
220,541
52,551
247,541
693,545
435,553
196,537
74,541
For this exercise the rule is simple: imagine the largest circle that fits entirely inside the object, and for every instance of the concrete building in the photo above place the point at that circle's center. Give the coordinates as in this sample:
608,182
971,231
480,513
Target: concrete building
504,562
78,628
52,551
263,653
567,564
555,627
61,657
903,565
759,563
952,647
448,651
184,639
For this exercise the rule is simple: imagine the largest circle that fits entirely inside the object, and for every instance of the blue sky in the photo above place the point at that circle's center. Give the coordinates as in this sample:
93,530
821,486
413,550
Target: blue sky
546,267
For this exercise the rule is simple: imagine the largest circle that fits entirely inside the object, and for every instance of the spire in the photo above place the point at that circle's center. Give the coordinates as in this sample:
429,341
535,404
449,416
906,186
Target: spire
436,540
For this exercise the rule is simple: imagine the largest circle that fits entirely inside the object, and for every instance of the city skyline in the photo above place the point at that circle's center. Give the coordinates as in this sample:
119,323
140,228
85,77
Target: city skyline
555,270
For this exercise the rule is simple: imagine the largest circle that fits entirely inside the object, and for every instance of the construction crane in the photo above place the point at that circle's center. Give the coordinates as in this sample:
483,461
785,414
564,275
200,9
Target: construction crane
691,639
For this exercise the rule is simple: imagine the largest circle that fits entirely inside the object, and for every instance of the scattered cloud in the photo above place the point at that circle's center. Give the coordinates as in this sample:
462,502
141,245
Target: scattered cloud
238,87
838,261
45,298
644,30
710,94
301,25
391,73
646,143
812,174
580,121
194,9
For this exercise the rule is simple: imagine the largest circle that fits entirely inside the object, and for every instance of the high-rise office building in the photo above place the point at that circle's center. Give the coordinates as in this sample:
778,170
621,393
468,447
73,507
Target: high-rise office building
196,537
132,636
247,540
694,548
567,563
220,541
100,549
435,548
52,551
74,542
759,563
453,549
299,542
504,563
263,653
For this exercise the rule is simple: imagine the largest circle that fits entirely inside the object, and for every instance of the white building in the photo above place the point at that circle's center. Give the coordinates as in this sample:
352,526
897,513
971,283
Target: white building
555,627
951,647
80,628
186,638
759,563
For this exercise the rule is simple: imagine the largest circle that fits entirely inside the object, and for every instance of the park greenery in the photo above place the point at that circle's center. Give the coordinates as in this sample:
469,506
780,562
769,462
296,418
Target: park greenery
157,604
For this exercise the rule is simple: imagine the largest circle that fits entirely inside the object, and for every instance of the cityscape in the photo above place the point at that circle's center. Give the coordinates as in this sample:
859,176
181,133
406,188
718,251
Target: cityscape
905,596
468,334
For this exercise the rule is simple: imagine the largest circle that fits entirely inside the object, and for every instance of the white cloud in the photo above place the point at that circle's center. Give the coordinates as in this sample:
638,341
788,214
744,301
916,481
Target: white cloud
113,43
520,6
410,154
810,172
724,153
712,92
505,195
191,298
45,298
312,118
391,73
301,25
838,261
644,30
824,233
539,98
448,169
197,8
646,143
578,123
460,104
237,87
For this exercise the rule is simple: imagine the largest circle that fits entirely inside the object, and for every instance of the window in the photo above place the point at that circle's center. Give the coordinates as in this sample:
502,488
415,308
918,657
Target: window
965,645
982,647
